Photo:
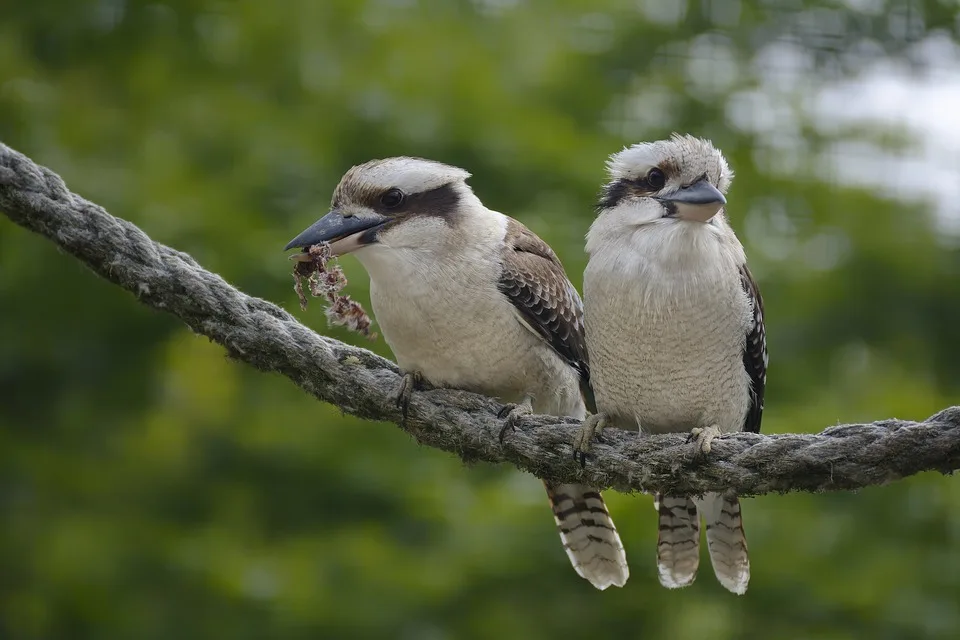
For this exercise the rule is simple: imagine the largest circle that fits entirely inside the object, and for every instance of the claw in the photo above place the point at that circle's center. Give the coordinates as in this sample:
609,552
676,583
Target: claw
590,430
513,413
703,438
408,384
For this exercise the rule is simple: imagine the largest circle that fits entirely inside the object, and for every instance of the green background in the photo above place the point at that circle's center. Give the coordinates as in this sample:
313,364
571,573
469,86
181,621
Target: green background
151,488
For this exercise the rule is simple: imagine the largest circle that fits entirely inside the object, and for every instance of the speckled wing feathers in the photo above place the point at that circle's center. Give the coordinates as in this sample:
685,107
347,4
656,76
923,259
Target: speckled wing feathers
534,281
755,353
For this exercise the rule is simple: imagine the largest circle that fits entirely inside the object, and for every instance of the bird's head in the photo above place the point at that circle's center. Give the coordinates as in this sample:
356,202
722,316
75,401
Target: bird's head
392,203
682,179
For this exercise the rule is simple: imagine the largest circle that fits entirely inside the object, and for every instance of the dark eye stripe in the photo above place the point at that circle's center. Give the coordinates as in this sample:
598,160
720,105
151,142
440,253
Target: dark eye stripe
614,192
441,202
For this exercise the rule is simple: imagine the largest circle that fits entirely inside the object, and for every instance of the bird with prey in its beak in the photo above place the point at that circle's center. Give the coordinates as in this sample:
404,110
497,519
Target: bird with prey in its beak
674,327
469,298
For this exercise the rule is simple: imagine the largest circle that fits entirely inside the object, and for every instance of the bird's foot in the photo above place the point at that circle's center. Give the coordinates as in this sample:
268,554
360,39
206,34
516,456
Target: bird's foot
703,438
411,380
513,413
590,430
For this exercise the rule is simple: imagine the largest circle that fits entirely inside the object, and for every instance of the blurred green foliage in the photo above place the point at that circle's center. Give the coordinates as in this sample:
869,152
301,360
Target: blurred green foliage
151,488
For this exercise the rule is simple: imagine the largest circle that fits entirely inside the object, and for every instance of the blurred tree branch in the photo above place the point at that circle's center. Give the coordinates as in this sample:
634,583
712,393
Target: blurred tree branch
364,384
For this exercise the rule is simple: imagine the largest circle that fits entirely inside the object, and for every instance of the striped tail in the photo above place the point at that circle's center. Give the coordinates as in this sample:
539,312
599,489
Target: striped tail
588,534
726,541
678,544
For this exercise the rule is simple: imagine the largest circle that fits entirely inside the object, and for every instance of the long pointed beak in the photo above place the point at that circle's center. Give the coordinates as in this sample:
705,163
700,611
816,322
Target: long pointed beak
699,202
344,233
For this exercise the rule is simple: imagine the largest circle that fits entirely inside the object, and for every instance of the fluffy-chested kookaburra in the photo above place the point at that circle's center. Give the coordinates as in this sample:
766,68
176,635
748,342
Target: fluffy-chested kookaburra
469,298
674,326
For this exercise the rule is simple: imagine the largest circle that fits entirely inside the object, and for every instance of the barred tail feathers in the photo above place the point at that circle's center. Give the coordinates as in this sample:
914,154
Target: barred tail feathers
588,534
678,542
726,540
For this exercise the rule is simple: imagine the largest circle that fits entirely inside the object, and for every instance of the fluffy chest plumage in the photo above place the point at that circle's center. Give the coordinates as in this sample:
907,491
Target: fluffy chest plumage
444,317
455,331
666,321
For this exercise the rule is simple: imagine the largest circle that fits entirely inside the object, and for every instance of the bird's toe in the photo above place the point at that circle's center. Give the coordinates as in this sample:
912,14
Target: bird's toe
703,439
513,413
408,384
589,432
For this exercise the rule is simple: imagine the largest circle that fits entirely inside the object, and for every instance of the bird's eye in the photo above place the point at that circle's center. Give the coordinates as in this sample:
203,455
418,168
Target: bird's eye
656,179
392,198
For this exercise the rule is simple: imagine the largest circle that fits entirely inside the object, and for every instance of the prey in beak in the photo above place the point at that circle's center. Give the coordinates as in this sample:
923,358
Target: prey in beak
344,233
698,202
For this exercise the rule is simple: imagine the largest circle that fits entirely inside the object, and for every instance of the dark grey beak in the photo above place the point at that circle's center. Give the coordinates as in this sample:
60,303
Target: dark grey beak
700,201
335,226
700,192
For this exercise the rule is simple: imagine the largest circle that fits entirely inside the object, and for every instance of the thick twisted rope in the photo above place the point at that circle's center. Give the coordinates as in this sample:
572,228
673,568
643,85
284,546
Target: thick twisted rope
364,384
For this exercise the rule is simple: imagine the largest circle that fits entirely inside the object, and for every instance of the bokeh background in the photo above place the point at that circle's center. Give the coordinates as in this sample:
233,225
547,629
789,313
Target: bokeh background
152,489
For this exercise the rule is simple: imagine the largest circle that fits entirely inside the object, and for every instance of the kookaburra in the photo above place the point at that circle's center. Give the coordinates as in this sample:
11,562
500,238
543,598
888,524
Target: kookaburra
469,298
674,327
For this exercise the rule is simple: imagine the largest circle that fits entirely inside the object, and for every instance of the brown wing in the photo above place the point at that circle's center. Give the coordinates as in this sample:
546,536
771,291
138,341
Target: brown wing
754,353
535,283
